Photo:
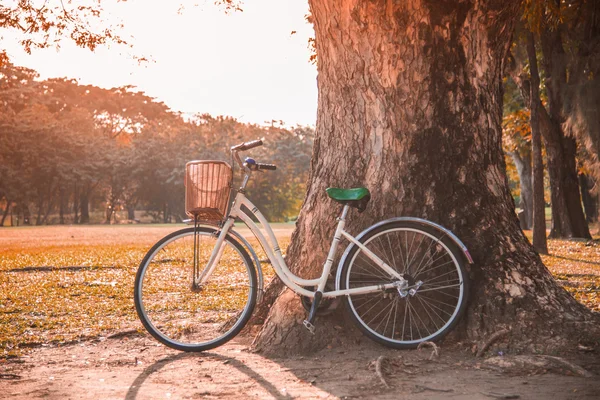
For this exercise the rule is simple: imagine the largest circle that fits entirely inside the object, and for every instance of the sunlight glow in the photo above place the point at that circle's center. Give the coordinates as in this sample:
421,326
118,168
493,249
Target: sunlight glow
246,64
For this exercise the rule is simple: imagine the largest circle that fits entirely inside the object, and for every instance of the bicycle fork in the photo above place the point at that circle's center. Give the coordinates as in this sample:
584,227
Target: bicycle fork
199,278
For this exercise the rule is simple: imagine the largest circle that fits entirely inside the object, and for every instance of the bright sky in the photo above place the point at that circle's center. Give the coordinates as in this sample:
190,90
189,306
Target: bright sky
246,64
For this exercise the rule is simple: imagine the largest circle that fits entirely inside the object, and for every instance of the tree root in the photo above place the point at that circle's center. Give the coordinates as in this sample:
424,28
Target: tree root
541,362
421,388
576,369
501,395
436,350
379,371
486,345
10,376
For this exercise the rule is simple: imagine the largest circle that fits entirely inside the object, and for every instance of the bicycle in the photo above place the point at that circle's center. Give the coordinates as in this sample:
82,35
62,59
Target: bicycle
402,280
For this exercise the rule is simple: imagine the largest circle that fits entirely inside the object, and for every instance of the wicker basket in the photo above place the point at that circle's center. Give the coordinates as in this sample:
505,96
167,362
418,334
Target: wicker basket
207,190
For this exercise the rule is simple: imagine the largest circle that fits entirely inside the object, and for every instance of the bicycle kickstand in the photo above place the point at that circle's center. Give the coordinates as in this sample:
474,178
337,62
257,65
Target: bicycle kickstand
312,315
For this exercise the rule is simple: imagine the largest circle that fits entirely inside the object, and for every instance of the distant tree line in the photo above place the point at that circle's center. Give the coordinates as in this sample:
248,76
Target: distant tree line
68,149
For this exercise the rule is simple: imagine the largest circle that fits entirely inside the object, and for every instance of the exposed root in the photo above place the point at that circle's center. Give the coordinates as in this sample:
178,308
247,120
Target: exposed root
379,371
576,369
10,376
436,350
501,395
539,363
486,345
421,388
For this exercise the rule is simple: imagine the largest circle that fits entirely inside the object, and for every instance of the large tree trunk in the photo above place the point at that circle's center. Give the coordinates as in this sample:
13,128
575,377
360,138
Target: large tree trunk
568,219
410,106
539,208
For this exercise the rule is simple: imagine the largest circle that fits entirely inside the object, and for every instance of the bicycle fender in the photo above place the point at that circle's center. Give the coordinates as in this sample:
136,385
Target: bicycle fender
421,221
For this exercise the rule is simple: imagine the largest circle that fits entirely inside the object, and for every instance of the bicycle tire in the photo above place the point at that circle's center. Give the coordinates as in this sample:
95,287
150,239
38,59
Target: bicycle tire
420,253
194,320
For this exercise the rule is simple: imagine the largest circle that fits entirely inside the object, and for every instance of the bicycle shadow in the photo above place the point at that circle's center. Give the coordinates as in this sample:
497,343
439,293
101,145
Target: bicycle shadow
138,383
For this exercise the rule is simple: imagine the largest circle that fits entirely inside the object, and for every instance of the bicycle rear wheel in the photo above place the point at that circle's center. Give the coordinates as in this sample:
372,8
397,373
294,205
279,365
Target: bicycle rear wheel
433,267
189,319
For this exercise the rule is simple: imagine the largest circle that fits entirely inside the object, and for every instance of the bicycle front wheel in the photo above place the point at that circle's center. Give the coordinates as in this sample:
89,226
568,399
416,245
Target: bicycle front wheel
187,318
433,266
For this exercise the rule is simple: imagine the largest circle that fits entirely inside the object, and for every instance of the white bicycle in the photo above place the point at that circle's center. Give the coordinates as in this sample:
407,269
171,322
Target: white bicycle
402,280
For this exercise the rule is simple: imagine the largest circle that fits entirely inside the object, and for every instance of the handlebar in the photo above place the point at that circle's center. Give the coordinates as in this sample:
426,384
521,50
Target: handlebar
247,145
250,164
272,167
254,166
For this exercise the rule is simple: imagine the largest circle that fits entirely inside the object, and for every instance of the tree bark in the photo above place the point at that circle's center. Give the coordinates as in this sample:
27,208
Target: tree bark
410,106
539,209
568,219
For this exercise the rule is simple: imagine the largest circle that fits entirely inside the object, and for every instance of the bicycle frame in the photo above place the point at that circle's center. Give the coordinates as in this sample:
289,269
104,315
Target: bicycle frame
273,251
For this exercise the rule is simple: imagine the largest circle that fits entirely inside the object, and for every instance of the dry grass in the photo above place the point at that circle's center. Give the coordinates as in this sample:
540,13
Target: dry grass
576,265
65,284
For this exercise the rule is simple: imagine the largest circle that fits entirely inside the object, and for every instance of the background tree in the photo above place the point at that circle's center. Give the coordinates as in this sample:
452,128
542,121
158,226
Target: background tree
77,149
516,139
539,209
562,71
46,24
581,33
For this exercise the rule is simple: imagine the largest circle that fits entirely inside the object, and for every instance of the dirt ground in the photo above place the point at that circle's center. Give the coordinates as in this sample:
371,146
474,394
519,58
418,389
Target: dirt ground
131,365
137,367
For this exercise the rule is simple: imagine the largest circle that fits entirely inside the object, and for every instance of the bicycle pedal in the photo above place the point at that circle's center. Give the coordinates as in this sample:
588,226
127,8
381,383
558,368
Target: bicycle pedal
309,326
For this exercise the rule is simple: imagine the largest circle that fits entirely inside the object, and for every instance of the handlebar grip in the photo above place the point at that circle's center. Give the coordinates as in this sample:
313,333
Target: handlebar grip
248,145
266,166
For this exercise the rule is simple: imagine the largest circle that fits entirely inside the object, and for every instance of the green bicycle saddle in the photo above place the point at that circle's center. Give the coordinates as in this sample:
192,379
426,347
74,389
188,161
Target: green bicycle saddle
357,197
